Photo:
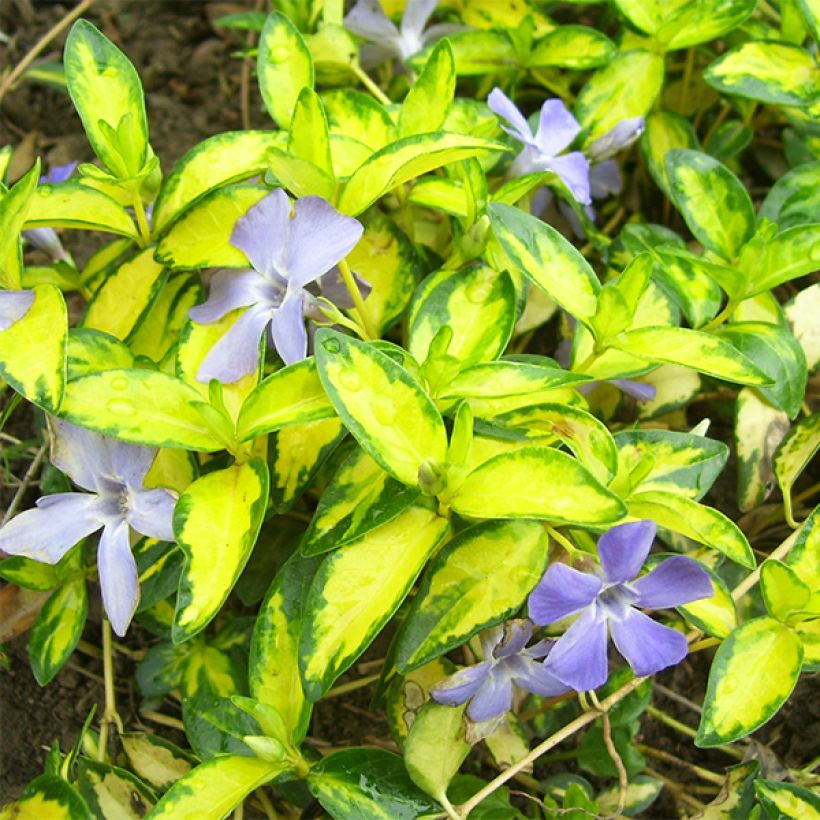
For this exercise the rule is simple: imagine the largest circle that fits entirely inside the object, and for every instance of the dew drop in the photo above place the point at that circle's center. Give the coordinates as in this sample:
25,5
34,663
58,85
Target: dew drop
331,345
478,292
279,54
350,380
119,383
121,407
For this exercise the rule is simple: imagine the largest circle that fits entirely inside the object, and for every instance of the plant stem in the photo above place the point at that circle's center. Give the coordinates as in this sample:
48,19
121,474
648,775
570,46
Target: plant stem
356,296
686,80
142,221
24,484
572,551
368,83
753,577
659,754
9,80
351,686
163,720
110,713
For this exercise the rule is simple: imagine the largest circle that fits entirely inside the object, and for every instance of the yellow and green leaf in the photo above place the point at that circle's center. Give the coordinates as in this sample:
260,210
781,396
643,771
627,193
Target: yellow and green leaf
47,797
357,115
788,800
92,351
111,791
426,105
571,46
794,454
14,206
155,760
785,594
216,522
665,130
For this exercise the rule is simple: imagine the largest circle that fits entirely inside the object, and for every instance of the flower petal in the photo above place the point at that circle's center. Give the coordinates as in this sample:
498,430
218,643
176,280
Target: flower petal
81,454
415,17
505,108
152,513
638,390
367,20
332,287
605,179
557,128
49,530
624,548
535,677
319,238
460,687
439,30
14,305
674,582
561,592
515,636
130,462
262,234
620,136
574,172
494,696
288,329
232,289
118,576
646,644
46,239
578,658
237,353
59,173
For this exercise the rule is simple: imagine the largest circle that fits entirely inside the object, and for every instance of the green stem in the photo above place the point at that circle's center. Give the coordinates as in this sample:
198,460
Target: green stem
110,713
368,83
572,550
356,296
142,221
720,318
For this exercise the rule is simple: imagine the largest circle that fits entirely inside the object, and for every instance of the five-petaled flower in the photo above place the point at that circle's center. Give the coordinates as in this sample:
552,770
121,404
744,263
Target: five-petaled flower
507,661
113,473
557,128
367,20
287,253
579,657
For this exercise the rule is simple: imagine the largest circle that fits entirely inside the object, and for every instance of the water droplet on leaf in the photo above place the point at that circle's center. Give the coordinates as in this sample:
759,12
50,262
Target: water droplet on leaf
119,383
121,407
331,345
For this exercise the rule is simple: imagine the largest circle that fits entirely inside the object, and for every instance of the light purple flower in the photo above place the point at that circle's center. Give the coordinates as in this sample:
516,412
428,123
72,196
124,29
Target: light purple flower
579,658
507,662
14,305
112,473
46,239
287,253
557,128
385,42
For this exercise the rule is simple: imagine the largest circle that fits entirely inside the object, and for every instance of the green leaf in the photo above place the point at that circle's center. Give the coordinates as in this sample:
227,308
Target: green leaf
57,630
28,573
645,15
356,591
804,557
536,482
759,428
694,23
770,72
72,204
779,355
284,67
14,205
478,579
713,201
407,694
367,783
111,791
691,348
293,395
626,87
478,304
143,407
426,105
107,93
359,498
791,253
219,160
787,799
696,521
216,726
435,748
574,47
92,351
200,236
641,793
215,787
594,757
381,404
126,295
155,760
48,797
693,285
536,250
405,159
491,380
216,522
794,199
33,350
794,454
784,592
752,676
358,116
308,138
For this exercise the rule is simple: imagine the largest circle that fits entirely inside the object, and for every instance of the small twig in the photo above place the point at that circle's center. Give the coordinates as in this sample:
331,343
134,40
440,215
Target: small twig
623,777
659,754
753,577
669,721
677,790
40,45
163,720
351,686
673,695
24,485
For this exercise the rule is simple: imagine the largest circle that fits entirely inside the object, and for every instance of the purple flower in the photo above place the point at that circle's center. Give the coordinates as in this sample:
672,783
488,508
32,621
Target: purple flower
557,128
287,253
579,658
385,42
59,173
14,305
113,473
46,239
489,685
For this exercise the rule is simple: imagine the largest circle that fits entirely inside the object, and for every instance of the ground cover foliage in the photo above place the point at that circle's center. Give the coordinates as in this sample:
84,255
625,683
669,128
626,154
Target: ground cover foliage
426,368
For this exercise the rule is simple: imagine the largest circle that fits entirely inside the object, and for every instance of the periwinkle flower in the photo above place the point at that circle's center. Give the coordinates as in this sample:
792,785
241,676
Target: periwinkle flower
557,128
385,42
14,305
579,657
488,686
113,474
287,253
